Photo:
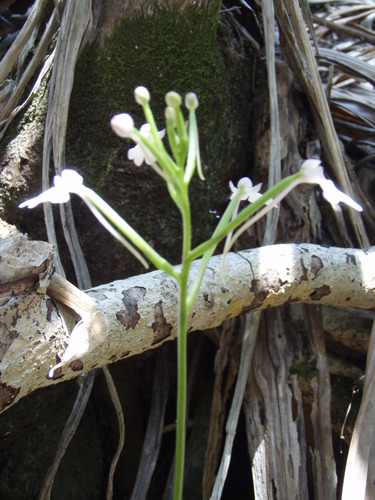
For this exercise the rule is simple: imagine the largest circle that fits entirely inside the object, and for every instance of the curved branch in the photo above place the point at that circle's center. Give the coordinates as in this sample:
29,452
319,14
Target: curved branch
130,316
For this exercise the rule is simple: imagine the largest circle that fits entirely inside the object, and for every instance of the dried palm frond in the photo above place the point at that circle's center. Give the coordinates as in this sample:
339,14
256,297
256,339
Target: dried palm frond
352,98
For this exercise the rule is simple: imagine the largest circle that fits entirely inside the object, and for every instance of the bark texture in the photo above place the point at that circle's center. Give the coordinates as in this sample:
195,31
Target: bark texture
128,317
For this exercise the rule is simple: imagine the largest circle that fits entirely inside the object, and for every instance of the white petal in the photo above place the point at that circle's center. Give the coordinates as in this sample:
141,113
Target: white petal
136,154
334,196
253,193
69,181
245,184
54,195
71,176
233,188
313,171
140,153
314,174
246,188
145,129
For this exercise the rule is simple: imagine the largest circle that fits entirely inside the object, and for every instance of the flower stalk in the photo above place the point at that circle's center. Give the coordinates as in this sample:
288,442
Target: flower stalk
177,171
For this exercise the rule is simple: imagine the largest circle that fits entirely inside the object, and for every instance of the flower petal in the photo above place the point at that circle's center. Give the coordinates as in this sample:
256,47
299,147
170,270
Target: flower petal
244,186
140,153
247,190
68,182
334,196
136,155
253,193
54,195
313,173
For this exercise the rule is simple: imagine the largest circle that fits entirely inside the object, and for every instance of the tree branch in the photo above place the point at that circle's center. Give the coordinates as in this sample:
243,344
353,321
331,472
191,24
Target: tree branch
128,317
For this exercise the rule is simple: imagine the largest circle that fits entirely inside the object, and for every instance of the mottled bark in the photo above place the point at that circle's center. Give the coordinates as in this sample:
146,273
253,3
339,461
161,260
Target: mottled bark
127,317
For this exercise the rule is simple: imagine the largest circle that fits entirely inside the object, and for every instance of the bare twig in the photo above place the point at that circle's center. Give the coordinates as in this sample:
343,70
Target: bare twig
68,432
121,425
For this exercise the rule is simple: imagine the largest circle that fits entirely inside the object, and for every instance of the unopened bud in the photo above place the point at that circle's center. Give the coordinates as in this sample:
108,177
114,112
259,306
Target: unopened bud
173,99
122,125
191,101
170,114
141,95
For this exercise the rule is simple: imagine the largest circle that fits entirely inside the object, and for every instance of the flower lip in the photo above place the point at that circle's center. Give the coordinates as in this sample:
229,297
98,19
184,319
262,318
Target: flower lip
123,125
313,173
68,182
334,196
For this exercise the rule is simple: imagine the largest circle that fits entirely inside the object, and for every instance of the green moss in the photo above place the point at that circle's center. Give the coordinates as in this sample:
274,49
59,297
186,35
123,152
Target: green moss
168,49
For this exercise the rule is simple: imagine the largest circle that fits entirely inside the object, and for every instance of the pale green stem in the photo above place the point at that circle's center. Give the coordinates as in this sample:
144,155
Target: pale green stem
284,185
181,132
151,121
182,351
262,212
142,245
174,145
181,386
115,233
194,290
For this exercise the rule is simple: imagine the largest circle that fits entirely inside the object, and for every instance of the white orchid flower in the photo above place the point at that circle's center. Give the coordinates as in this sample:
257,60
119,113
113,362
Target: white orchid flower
314,174
140,153
68,182
246,188
248,192
311,173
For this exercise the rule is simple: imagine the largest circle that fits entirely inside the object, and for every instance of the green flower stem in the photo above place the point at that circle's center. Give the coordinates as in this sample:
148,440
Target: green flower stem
247,212
151,121
182,349
153,256
186,223
114,232
181,386
225,218
174,145
181,132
